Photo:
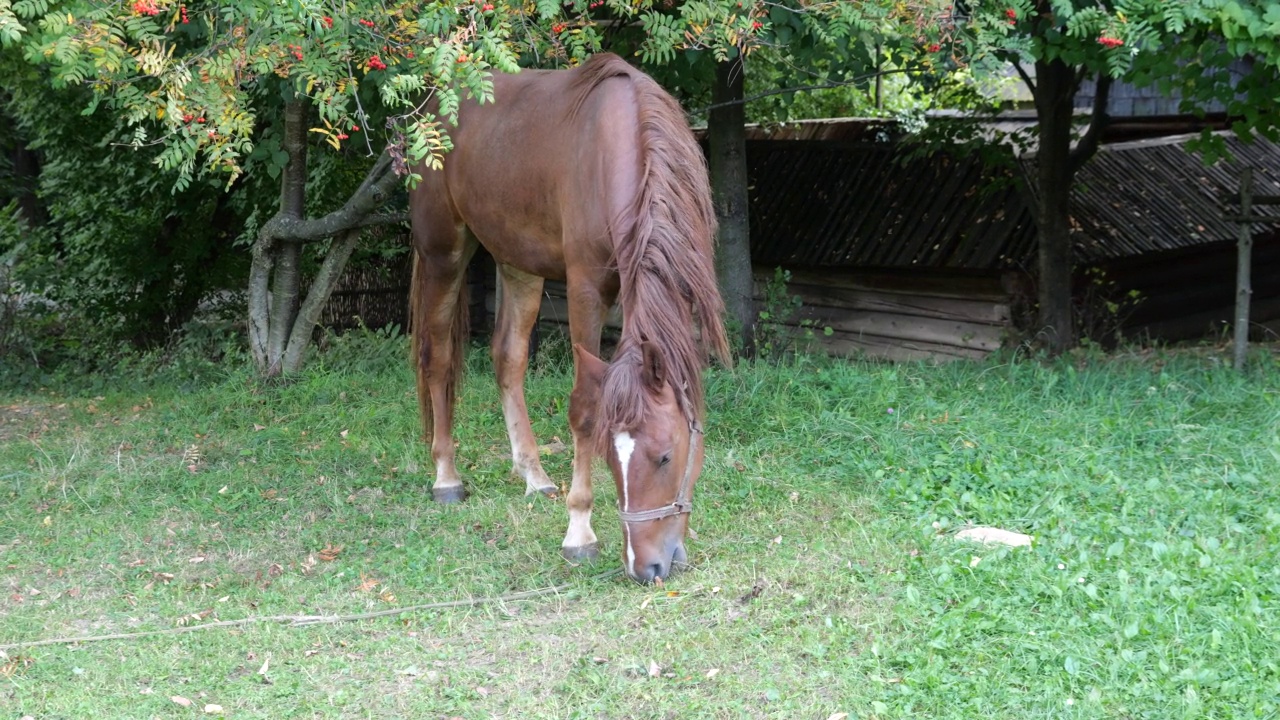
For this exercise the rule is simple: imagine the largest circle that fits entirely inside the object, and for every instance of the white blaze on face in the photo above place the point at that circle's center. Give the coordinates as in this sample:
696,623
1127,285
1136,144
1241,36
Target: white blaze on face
624,444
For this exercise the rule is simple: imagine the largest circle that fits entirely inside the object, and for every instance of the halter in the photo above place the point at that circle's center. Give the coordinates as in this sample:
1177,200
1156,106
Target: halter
684,499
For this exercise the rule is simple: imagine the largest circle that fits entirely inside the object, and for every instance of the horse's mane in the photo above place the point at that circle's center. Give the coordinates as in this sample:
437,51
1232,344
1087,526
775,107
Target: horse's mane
666,262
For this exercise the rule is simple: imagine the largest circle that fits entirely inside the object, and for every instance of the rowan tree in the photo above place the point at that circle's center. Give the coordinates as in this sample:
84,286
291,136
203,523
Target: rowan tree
1054,45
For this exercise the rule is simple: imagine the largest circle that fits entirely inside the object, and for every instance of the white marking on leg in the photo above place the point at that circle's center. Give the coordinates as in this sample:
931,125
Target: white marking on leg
580,533
624,444
527,466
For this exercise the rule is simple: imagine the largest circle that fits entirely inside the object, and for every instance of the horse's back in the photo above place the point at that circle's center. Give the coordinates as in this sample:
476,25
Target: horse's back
551,161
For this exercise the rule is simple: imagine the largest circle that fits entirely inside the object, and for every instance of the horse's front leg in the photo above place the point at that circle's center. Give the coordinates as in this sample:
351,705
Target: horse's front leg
521,298
586,317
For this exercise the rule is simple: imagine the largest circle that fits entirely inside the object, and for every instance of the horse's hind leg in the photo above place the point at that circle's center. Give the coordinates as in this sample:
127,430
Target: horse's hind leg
441,330
517,313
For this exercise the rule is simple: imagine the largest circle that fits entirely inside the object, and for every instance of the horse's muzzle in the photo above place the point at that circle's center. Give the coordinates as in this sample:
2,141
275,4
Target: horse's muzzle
674,558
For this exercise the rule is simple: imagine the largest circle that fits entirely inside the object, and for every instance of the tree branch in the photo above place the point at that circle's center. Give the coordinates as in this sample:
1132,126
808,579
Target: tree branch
303,620
802,88
1088,144
1031,85
378,185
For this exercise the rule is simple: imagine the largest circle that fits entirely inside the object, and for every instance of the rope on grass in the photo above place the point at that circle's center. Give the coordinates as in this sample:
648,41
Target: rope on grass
303,620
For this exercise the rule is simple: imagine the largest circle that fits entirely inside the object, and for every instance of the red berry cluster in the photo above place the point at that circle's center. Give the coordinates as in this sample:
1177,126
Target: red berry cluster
146,7
182,10
366,23
376,63
188,117
1012,15
558,28
1110,42
296,51
488,7
595,4
328,21
343,136
355,128
934,47
756,25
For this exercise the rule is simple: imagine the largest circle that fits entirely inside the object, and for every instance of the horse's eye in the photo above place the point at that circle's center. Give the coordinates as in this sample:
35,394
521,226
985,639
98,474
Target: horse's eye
666,458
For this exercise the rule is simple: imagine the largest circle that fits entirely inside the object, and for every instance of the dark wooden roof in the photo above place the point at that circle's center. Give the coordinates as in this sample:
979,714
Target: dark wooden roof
864,204
1155,195
840,194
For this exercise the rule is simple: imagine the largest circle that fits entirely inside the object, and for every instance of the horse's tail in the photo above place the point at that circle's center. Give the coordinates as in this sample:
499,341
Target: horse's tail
459,332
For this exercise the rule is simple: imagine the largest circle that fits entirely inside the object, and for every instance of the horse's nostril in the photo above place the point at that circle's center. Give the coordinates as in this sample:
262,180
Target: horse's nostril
657,570
679,557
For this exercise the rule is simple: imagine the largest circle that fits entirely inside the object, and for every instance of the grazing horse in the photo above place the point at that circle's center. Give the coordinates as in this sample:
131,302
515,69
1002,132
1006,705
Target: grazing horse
590,176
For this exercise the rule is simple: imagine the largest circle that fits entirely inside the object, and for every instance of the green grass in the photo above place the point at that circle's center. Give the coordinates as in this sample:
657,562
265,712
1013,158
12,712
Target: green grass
825,577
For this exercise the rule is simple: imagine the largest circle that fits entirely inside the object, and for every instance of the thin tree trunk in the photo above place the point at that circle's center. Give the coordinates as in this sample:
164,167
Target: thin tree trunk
726,136
288,273
318,294
1244,281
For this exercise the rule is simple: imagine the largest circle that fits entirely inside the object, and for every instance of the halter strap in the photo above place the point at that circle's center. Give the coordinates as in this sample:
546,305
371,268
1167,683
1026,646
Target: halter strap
684,498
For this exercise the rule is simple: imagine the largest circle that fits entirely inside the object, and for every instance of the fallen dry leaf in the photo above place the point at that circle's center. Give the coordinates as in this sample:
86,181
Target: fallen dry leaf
14,665
367,583
838,716
212,709
181,701
482,691
330,552
259,428
196,559
654,670
712,673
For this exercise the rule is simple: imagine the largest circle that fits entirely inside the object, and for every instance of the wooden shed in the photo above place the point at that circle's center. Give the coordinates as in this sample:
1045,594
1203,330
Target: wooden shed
900,254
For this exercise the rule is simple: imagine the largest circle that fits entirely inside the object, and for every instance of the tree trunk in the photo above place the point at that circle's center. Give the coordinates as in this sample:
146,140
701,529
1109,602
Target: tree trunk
280,321
26,178
1055,90
1057,163
726,137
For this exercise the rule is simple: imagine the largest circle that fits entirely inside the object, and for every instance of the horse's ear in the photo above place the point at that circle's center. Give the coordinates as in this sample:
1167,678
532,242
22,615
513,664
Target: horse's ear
653,372
588,370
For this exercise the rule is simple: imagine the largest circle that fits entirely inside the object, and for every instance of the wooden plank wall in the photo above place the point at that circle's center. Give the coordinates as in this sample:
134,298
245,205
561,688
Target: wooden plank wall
908,316
1188,294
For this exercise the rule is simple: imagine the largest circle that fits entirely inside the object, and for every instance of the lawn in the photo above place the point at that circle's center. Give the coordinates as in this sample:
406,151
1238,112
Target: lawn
826,580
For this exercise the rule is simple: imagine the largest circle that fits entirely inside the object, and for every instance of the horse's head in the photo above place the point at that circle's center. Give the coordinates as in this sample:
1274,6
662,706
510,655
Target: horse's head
655,456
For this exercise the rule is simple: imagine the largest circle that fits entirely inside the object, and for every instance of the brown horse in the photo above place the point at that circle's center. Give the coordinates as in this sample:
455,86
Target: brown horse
590,176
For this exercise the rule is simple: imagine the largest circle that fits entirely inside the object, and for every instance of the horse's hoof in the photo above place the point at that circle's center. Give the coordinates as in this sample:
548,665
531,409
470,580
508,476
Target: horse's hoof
583,553
550,492
449,494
